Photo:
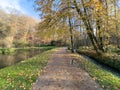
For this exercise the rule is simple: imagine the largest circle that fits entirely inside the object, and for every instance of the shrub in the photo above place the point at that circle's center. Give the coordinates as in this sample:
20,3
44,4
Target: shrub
111,60
7,50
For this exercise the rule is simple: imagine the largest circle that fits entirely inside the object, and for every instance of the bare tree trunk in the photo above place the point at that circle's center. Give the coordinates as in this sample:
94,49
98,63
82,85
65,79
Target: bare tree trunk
116,24
100,35
71,35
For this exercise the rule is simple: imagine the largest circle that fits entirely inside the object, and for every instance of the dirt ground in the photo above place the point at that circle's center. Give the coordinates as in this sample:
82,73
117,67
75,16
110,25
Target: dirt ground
60,74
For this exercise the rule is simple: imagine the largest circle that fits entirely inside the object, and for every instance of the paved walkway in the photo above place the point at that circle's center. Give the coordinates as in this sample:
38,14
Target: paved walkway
60,74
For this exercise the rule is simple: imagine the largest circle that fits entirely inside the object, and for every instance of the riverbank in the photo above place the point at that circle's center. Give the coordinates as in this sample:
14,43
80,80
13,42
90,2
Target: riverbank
107,79
12,50
7,50
110,59
22,75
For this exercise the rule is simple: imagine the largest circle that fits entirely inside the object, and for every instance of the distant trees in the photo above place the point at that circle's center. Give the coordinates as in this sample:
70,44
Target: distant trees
25,28
6,31
99,18
47,31
16,30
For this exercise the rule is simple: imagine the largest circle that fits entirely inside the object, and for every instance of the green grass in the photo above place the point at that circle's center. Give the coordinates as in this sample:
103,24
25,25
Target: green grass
106,79
21,76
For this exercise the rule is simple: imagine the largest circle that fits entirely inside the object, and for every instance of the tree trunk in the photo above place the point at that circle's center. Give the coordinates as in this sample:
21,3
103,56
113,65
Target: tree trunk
71,36
88,26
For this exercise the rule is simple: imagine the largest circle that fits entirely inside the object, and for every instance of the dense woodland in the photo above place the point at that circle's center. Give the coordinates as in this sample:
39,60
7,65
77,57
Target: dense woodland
92,27
93,23
88,22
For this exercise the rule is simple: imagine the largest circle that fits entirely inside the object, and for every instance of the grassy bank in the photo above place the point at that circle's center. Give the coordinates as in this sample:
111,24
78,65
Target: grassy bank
36,48
22,75
12,50
106,79
110,59
7,50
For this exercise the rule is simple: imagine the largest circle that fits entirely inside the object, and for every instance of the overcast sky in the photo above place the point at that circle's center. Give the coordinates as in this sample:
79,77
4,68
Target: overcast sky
24,6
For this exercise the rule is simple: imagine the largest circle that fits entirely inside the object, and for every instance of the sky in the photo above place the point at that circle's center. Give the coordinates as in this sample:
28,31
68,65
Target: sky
24,6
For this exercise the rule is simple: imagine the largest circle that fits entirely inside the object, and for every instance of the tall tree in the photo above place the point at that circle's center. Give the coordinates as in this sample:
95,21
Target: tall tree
95,14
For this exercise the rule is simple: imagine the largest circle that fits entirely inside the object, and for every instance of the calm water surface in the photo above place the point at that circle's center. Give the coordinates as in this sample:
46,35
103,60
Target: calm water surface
19,55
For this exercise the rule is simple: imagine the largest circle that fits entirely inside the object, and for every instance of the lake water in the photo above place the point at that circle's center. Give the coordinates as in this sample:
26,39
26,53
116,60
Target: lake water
19,55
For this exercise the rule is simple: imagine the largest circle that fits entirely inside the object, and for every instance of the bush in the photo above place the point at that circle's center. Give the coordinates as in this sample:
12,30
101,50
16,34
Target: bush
58,43
117,51
7,50
110,48
111,60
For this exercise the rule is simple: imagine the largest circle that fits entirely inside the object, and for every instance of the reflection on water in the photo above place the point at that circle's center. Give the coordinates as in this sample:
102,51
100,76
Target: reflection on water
19,55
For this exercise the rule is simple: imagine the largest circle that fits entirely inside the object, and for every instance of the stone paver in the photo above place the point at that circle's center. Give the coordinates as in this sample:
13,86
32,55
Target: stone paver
60,74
